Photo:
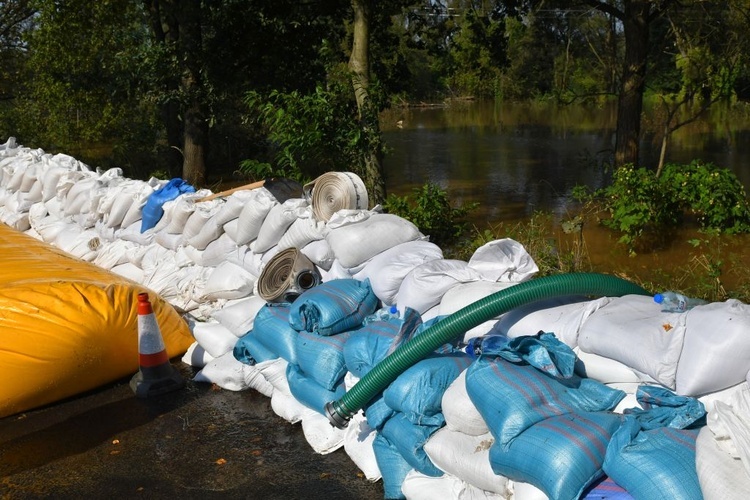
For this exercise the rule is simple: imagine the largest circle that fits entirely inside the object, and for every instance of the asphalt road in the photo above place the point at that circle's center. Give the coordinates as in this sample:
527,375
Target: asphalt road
199,442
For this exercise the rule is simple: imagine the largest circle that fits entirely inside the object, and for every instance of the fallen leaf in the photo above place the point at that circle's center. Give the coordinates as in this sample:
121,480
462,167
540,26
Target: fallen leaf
115,441
114,452
221,461
667,327
325,475
256,453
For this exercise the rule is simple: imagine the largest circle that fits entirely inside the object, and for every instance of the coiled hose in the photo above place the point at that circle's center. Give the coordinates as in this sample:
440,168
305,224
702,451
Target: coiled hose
339,412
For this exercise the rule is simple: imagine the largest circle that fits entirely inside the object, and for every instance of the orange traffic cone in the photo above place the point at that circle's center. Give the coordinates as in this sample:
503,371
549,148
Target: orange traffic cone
156,375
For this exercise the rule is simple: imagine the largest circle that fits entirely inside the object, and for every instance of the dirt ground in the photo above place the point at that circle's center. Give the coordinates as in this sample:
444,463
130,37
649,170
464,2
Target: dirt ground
200,442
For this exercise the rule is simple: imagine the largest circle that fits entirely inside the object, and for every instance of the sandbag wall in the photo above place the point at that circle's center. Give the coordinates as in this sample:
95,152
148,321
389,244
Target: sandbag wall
430,434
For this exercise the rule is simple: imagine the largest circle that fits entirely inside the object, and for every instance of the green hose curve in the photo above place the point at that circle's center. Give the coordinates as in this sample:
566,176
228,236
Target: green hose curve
339,412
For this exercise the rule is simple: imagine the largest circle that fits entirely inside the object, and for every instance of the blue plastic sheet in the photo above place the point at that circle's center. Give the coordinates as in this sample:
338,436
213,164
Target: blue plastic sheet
152,211
663,408
543,351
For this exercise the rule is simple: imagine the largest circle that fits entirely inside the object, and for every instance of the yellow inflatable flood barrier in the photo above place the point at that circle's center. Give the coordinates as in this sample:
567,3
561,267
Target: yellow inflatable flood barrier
67,326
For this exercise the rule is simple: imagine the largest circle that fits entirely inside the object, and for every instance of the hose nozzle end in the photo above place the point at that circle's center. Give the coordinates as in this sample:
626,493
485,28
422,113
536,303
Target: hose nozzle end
336,417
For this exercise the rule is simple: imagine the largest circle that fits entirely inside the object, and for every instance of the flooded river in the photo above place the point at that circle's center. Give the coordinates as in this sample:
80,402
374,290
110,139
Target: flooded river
517,159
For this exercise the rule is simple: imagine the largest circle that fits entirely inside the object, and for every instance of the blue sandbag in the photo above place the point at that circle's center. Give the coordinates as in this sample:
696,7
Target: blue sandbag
152,211
370,344
393,467
561,455
333,307
310,393
409,440
512,397
250,350
377,412
418,391
271,328
657,464
322,357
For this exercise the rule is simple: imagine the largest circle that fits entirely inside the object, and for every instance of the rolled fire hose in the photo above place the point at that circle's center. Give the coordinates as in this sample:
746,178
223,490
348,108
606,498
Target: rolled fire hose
448,329
286,276
334,191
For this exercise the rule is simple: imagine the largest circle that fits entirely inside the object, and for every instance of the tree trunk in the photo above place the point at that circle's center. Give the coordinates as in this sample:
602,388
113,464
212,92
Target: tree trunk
165,29
359,65
630,103
196,126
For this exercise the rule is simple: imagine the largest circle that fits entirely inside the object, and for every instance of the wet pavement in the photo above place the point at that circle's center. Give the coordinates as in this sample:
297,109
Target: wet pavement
199,442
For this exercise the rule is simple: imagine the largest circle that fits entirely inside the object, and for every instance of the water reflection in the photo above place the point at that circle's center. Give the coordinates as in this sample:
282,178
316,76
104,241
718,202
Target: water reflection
515,159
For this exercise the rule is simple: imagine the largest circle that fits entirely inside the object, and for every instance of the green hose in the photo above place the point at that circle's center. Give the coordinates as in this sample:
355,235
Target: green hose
339,412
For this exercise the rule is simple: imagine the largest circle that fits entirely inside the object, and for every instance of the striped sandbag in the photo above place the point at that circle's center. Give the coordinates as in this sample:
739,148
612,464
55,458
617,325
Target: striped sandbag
322,357
560,455
512,397
271,328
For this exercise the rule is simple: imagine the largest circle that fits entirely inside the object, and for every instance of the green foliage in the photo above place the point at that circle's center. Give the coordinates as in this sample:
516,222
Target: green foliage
431,211
310,134
639,203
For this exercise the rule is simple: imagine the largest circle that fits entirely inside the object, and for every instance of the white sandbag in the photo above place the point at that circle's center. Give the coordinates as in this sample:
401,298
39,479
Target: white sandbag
526,491
387,270
231,228
130,271
603,369
133,233
418,486
196,356
181,211
562,316
277,221
716,352
467,457
18,221
730,425
16,204
168,240
253,214
201,215
319,252
721,476
288,408
233,206
358,439
15,173
29,178
424,286
34,194
82,244
228,281
139,198
634,331
275,372
503,260
355,243
230,374
302,231
210,231
50,181
322,437
114,253
121,203
725,396
218,251
238,317
213,337
464,294
460,413
78,198
33,234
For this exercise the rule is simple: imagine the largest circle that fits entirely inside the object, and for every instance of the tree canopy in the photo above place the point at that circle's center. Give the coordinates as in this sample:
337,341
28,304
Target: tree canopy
164,84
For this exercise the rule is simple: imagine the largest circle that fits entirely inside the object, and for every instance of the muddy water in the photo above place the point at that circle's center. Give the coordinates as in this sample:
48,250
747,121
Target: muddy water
517,159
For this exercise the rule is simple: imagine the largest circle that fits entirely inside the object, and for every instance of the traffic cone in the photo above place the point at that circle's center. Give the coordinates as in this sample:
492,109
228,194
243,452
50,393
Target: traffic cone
156,375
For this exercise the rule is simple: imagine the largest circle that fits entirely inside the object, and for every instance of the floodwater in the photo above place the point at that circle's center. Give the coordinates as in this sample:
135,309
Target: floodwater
517,159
